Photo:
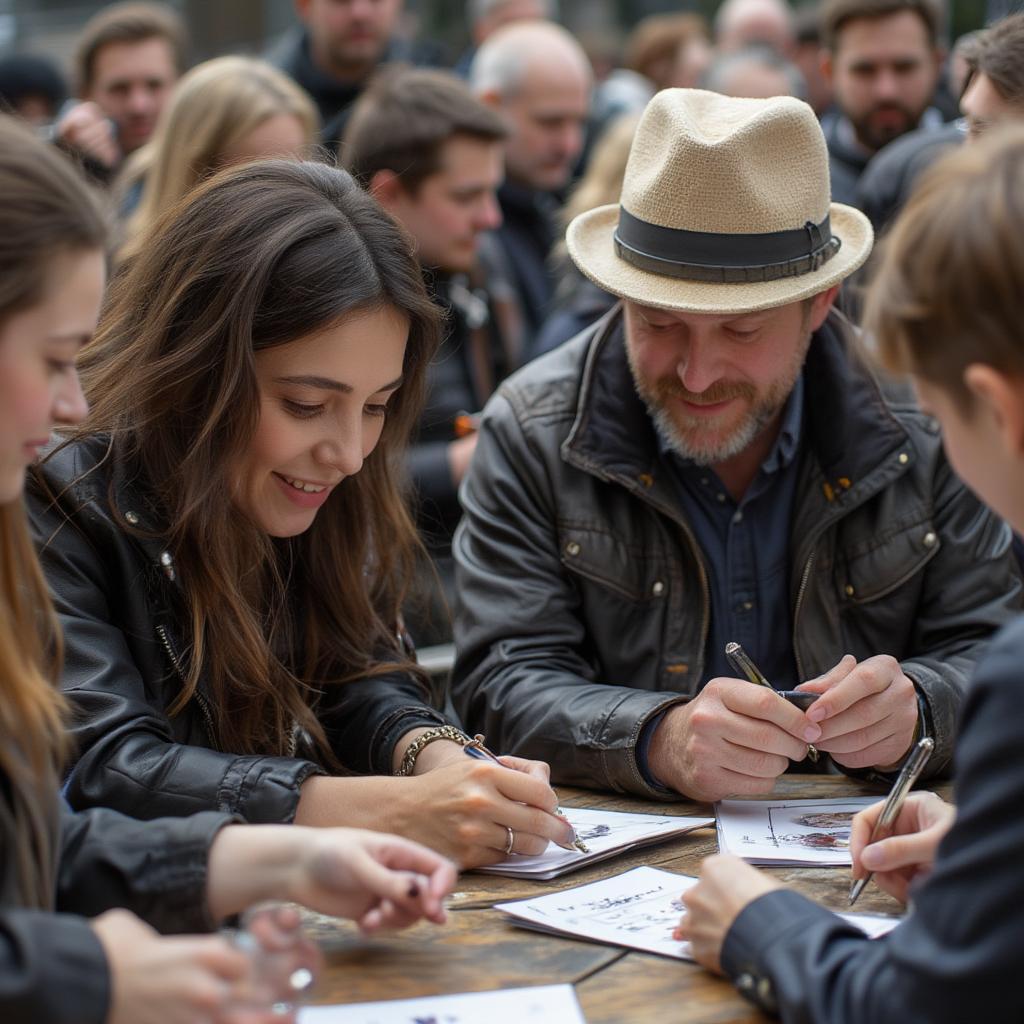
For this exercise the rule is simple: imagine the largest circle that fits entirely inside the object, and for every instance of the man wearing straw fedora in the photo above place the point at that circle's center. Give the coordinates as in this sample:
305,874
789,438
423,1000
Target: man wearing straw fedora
712,462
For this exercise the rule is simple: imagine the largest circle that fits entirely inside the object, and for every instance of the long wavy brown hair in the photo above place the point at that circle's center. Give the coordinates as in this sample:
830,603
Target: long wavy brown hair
260,256
47,211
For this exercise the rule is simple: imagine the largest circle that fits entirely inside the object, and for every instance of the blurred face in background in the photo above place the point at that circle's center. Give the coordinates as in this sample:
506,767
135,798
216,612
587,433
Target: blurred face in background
348,37
984,106
546,114
448,211
883,74
131,83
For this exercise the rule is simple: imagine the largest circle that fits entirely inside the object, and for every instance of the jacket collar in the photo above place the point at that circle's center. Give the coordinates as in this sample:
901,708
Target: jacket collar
849,426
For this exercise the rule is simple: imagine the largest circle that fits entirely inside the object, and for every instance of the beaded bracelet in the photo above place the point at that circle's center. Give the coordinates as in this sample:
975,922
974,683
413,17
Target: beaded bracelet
442,732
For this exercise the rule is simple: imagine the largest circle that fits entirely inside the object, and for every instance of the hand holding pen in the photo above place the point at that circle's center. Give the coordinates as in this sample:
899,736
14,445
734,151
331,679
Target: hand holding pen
476,749
890,812
741,662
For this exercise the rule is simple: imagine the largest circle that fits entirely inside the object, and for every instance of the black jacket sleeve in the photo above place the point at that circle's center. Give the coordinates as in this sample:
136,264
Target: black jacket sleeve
52,966
957,957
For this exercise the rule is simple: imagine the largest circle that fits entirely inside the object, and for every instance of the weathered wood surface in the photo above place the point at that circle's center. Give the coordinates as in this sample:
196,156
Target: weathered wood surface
478,950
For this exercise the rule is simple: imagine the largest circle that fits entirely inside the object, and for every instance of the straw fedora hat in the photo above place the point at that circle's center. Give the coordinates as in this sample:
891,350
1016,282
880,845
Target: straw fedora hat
725,209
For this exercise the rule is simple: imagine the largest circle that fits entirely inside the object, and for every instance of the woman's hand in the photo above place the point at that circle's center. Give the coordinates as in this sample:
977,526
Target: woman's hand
464,808
909,851
379,881
727,884
158,980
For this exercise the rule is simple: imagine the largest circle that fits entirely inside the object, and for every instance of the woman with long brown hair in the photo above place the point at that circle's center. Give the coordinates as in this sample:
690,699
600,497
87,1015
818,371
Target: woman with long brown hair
179,875
226,540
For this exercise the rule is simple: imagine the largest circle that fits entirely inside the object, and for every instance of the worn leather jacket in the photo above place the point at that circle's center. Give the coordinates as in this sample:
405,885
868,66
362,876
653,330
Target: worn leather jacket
52,966
120,605
583,600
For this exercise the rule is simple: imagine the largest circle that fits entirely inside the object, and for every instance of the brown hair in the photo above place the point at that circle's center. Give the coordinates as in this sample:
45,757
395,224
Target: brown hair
47,211
835,14
998,54
404,118
947,290
653,44
258,256
128,23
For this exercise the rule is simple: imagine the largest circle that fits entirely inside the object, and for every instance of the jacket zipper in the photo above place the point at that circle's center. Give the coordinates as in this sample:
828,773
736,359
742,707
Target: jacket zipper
796,609
204,706
705,589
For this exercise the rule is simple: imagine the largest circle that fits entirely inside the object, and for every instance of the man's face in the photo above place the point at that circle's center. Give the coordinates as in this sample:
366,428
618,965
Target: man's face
349,36
883,71
450,209
131,83
546,116
983,107
712,383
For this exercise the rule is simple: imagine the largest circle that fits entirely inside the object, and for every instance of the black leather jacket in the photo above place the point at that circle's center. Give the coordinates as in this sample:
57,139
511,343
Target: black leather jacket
583,603
52,967
120,607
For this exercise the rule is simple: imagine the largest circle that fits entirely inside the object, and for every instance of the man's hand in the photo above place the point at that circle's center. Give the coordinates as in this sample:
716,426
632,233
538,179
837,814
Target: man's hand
867,712
732,739
727,884
87,129
909,850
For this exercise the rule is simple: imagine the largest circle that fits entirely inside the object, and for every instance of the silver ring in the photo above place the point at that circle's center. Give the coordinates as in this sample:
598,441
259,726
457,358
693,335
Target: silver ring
511,839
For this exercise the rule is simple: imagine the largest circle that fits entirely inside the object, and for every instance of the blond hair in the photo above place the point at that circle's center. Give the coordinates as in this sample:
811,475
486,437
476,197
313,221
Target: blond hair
215,106
947,290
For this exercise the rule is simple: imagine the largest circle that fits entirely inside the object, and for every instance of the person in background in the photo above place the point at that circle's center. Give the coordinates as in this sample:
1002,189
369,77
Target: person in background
579,302
662,51
485,17
431,154
225,111
945,307
756,72
807,56
226,541
127,60
334,53
538,78
32,87
883,61
743,23
993,93
81,895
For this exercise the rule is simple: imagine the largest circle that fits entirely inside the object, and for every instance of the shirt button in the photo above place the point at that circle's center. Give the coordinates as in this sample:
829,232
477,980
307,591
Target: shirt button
748,606
132,518
904,458
929,540
658,588
737,517
849,590
721,497
572,549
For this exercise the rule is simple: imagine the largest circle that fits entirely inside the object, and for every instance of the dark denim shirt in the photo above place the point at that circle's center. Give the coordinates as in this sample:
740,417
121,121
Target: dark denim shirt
745,546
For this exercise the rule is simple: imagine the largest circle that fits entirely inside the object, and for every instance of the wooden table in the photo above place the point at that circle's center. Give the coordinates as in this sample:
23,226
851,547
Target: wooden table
479,950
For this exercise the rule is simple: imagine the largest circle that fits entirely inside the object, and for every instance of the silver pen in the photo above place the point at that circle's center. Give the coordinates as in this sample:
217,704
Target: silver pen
740,661
912,768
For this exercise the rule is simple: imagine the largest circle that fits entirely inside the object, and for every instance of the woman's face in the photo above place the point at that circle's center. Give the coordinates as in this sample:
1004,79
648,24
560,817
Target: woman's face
323,399
39,385
280,136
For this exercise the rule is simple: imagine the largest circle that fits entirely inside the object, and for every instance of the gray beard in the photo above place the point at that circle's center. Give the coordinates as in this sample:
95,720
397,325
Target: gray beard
708,454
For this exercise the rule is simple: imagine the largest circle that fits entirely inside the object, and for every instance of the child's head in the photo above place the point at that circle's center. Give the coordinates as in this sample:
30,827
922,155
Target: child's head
945,306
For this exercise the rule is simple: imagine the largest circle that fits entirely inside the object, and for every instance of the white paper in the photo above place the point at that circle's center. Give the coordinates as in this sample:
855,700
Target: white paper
542,1004
605,834
638,909
802,833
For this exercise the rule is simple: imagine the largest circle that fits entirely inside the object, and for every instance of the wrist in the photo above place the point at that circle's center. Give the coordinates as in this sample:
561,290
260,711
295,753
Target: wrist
249,864
414,745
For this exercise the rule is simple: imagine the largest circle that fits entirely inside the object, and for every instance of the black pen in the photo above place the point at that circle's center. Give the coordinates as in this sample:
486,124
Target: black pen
475,748
740,661
912,768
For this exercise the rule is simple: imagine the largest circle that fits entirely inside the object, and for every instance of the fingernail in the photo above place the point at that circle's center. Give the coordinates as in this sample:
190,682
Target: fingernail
871,858
816,713
811,733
